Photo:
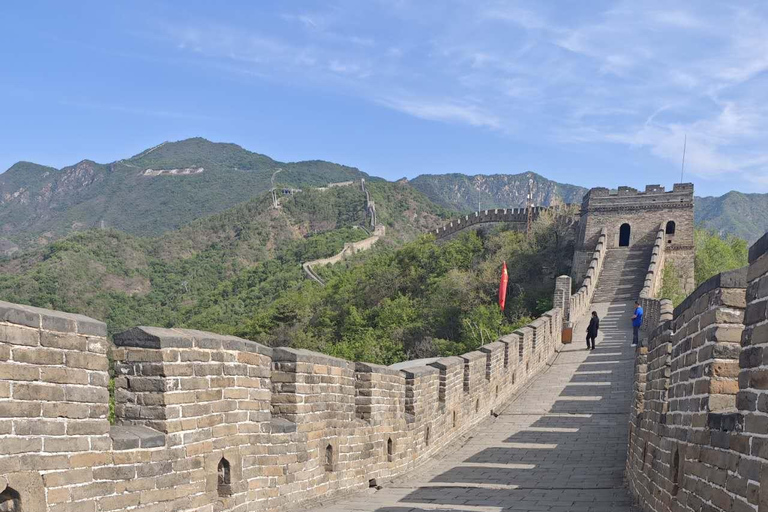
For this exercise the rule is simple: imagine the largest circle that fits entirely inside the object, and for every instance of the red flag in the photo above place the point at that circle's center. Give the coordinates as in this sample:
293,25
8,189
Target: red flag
503,286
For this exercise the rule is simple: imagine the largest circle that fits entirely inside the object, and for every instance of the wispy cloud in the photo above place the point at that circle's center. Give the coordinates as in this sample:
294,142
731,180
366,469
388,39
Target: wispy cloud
256,52
428,108
639,75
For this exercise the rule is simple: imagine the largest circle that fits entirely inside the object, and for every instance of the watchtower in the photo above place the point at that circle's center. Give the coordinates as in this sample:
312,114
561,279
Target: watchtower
632,219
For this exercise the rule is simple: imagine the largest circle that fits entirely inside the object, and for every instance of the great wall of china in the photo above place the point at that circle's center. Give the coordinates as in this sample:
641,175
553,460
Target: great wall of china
699,421
516,217
379,230
206,422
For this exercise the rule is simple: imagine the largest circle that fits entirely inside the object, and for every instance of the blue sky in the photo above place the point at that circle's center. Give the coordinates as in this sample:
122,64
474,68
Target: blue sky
591,93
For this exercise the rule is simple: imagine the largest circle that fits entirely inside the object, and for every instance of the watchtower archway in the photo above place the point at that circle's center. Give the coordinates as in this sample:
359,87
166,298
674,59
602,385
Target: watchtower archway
224,487
670,228
625,232
10,500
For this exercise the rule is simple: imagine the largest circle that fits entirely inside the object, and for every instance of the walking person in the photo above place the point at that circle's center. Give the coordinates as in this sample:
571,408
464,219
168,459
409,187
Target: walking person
637,321
594,325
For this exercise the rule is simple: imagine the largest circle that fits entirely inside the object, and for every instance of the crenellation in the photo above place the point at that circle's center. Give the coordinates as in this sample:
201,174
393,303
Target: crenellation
474,371
422,390
517,217
451,388
494,365
379,393
525,340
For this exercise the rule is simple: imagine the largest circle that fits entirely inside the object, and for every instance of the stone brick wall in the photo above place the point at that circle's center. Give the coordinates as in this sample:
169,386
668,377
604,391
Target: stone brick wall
54,431
644,212
207,422
653,278
580,302
699,424
515,216
655,310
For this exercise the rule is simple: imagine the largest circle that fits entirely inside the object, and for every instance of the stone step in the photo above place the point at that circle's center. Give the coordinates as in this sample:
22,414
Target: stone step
623,274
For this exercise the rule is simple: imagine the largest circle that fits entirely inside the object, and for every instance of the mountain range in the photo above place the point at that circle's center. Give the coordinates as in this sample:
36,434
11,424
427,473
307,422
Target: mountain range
735,213
173,184
462,192
160,189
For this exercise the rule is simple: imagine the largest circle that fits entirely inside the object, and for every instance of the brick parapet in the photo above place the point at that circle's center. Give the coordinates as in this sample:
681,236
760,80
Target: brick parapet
498,215
580,302
379,393
53,405
694,442
651,304
188,400
752,398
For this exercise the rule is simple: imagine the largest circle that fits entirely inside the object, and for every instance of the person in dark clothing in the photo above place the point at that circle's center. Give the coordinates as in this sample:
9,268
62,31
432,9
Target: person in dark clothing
594,325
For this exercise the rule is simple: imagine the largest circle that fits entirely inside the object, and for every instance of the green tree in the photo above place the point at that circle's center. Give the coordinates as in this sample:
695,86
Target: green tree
672,284
716,254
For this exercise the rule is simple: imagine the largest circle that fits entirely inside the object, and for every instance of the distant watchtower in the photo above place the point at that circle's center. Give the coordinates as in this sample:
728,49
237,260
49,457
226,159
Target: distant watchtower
632,220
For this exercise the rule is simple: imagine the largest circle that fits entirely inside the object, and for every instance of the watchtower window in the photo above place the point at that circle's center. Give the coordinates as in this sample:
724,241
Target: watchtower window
426,437
10,500
670,230
676,473
390,450
624,233
329,458
225,478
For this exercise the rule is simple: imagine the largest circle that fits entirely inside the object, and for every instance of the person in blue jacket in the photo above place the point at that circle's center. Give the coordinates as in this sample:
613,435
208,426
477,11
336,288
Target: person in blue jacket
637,321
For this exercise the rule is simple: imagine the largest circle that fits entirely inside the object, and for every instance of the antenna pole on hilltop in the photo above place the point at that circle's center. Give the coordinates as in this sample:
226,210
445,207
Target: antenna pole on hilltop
529,207
682,168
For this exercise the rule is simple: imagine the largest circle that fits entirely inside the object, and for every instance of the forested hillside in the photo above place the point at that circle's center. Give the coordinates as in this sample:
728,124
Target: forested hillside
128,280
735,213
421,299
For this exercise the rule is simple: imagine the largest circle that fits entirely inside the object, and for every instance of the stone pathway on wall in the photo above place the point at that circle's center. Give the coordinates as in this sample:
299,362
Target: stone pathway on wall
559,446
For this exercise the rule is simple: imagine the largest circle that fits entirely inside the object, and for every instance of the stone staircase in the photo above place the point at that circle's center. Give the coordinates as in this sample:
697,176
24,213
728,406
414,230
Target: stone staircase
623,274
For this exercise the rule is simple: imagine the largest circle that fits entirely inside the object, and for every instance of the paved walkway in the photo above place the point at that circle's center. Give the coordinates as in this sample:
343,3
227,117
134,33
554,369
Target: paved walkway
559,446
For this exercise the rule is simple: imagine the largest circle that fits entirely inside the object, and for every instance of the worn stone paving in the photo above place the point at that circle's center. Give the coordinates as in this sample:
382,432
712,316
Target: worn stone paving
559,446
